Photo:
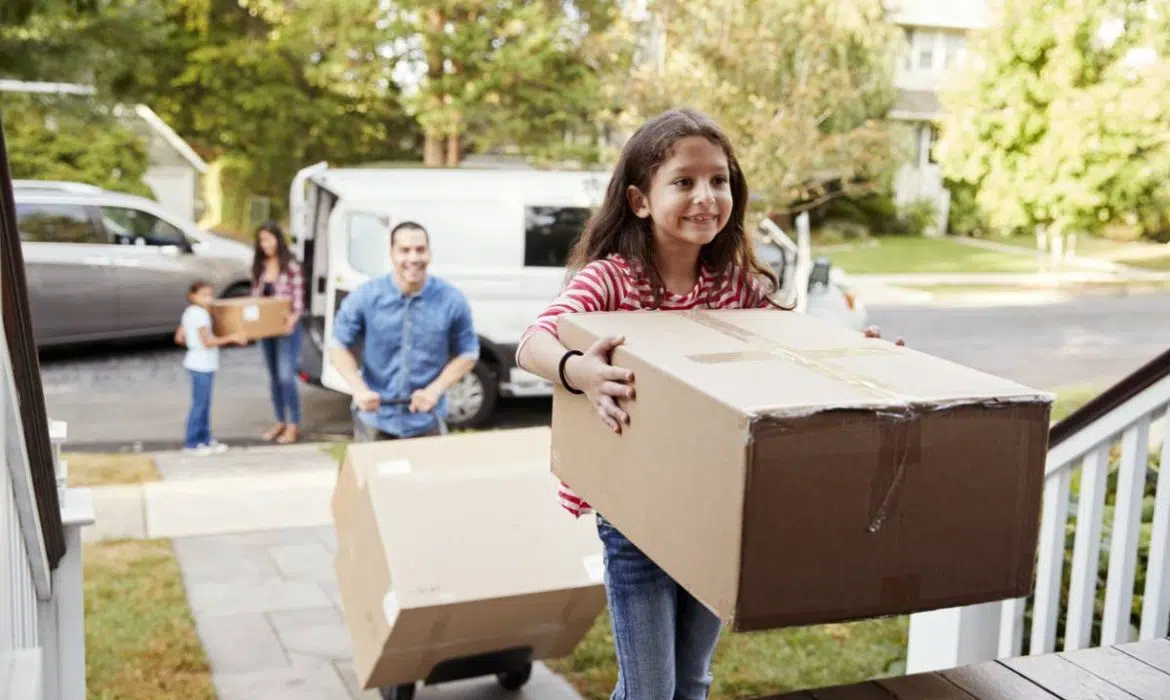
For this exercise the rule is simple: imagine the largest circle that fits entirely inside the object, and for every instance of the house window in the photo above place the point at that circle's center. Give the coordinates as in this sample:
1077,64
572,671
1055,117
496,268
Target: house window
925,51
550,232
953,46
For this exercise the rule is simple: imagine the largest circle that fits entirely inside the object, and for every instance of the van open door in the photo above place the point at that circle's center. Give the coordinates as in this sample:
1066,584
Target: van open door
796,273
351,247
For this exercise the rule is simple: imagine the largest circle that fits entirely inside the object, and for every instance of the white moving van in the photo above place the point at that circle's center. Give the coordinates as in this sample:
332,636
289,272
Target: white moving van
500,235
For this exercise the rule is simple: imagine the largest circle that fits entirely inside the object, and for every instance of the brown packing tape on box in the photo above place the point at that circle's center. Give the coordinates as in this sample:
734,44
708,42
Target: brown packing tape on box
901,433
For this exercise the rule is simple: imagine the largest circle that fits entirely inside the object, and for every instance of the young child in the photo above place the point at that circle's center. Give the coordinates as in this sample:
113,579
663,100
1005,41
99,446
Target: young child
202,361
669,235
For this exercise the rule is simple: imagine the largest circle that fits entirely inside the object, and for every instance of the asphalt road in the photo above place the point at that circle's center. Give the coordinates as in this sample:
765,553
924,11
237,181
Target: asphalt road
135,396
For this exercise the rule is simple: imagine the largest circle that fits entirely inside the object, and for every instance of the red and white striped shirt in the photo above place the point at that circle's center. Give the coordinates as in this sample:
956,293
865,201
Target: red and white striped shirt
613,284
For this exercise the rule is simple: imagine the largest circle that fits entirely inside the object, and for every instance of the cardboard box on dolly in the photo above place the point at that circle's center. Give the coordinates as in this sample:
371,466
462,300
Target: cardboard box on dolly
788,471
257,317
454,559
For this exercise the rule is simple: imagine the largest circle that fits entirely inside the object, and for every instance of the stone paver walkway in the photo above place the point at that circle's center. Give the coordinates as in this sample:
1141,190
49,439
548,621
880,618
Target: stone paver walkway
253,535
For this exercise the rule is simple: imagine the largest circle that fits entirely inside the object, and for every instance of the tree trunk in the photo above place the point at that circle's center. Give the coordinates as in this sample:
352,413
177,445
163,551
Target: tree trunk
433,149
433,156
454,150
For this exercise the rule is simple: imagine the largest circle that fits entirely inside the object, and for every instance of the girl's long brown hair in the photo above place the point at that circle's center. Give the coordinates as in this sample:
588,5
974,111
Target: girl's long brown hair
614,228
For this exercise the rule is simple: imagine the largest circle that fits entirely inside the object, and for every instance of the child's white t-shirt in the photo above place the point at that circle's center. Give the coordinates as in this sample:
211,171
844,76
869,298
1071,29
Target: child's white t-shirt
199,358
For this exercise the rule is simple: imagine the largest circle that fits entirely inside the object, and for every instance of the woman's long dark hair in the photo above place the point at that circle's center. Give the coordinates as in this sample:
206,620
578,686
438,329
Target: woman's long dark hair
283,254
614,228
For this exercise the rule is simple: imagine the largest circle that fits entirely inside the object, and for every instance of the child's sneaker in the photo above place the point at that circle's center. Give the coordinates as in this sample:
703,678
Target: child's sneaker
197,451
217,448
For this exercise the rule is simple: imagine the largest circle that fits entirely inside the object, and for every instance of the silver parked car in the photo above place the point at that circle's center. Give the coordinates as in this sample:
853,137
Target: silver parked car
103,265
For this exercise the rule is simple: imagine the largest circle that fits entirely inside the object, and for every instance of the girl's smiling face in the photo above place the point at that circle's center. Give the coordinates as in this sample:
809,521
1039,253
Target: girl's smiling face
690,195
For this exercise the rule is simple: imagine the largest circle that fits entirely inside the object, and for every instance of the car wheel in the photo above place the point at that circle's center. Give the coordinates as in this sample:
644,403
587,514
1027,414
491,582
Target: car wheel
515,680
398,692
473,398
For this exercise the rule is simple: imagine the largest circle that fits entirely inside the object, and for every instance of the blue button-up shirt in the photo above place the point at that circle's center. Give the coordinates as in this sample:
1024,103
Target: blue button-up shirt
406,342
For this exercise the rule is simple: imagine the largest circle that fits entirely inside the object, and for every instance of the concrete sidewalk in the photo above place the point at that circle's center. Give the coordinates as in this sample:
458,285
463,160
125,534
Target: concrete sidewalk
253,534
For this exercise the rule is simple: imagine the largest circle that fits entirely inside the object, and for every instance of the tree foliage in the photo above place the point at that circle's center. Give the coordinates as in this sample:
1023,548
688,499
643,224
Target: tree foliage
70,138
801,86
520,74
1063,118
283,84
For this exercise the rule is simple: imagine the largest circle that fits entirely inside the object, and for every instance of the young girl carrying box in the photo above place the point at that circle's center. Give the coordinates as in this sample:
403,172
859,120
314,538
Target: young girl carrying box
201,361
669,235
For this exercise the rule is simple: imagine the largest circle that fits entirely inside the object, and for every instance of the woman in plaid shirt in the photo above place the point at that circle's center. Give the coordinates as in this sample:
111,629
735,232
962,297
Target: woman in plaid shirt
276,274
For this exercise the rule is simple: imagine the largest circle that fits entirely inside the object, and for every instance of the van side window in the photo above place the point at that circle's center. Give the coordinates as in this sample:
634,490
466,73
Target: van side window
369,243
550,232
55,223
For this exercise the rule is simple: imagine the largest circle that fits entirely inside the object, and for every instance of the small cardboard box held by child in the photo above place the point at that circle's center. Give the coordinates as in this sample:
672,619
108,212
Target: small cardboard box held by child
453,547
256,317
789,471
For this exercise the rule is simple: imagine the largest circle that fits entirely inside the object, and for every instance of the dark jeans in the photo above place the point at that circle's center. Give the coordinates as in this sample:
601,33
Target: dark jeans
199,417
282,356
365,433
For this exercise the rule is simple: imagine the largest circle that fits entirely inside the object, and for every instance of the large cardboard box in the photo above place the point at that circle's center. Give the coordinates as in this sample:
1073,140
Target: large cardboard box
788,471
455,546
257,317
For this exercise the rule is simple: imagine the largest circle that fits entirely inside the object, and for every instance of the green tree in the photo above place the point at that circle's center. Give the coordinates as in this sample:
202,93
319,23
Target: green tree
801,86
519,74
1063,118
281,83
15,12
70,138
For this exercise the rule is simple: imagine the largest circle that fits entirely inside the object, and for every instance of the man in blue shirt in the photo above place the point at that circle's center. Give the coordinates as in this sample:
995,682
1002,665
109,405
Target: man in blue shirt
417,341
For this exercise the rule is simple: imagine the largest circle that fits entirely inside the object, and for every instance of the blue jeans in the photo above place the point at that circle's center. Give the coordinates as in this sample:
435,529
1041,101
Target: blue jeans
199,417
665,638
282,356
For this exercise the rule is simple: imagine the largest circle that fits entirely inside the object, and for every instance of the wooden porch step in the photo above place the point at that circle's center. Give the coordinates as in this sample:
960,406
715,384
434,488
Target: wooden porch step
1137,671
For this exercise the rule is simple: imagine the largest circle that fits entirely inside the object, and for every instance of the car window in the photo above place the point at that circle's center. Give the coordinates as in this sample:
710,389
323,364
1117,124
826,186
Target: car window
369,243
550,232
129,226
55,223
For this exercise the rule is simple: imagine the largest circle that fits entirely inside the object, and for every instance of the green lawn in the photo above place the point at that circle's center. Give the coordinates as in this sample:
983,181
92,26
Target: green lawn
140,638
1143,254
933,255
757,664
1071,398
1154,263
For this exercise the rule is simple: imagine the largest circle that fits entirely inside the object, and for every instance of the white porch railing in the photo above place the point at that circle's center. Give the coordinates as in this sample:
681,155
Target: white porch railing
1101,494
42,623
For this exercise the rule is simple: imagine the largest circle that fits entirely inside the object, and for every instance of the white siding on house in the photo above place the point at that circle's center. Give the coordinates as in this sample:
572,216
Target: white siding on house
175,187
936,47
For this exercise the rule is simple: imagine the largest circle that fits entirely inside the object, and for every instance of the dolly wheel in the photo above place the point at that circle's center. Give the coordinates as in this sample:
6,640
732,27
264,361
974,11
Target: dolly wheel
515,680
399,692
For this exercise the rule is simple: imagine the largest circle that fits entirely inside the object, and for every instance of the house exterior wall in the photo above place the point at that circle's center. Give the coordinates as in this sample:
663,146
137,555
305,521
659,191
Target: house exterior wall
175,187
936,38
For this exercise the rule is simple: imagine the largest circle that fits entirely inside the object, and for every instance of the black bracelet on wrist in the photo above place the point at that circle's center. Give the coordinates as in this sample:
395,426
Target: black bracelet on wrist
561,372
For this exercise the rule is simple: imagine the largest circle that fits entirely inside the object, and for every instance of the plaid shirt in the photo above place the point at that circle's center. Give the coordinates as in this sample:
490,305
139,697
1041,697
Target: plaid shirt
289,283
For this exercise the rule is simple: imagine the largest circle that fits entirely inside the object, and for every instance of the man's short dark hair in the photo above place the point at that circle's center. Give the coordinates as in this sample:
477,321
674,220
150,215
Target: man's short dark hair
412,225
